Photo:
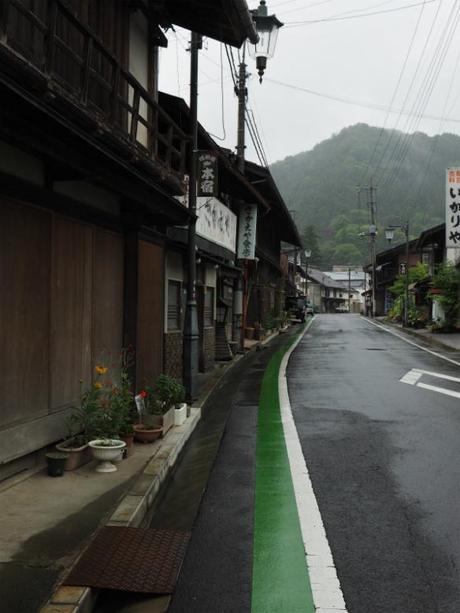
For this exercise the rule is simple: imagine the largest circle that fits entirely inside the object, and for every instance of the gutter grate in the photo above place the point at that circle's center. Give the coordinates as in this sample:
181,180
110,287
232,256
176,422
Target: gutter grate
132,560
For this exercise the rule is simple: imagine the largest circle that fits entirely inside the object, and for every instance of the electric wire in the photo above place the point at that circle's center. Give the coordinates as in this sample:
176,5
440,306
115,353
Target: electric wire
296,24
403,111
395,92
423,96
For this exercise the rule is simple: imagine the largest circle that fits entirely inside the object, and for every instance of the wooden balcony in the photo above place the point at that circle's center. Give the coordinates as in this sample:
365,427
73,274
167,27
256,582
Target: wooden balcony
45,47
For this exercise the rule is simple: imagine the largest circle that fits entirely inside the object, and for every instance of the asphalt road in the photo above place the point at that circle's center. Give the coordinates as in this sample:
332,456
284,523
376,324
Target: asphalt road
384,459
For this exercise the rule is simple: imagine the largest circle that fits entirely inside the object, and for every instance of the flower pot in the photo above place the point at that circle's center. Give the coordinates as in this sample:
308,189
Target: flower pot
168,420
180,414
56,463
129,440
145,434
77,456
106,451
249,333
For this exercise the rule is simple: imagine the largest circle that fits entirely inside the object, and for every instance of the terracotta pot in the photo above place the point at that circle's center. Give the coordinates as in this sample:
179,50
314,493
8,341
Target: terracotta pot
129,440
77,456
143,434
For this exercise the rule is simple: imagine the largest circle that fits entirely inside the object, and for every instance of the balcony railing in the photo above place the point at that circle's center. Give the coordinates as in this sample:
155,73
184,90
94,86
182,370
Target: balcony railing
79,67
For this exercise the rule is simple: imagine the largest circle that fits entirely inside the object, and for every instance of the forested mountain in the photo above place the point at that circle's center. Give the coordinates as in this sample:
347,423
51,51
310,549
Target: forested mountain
321,186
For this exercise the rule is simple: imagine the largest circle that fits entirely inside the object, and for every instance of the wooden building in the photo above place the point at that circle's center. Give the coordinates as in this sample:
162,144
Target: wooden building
90,169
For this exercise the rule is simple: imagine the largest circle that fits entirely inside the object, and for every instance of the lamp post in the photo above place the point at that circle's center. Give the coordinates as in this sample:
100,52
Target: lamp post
191,331
389,235
267,27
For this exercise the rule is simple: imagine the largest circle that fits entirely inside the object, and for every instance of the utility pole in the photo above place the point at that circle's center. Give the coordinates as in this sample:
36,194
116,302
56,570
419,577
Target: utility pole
240,147
191,331
372,233
349,290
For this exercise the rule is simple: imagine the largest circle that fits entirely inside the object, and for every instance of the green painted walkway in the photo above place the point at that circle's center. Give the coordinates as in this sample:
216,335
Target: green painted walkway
280,581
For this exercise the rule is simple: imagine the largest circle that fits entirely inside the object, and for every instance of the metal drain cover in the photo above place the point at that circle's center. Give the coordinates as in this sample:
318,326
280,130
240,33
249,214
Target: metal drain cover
132,560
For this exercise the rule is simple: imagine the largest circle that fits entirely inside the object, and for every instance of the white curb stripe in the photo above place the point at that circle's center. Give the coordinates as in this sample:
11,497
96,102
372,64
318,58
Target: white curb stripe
438,355
325,585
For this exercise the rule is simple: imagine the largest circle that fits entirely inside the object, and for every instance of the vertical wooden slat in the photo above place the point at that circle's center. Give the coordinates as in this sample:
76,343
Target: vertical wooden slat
24,312
4,9
135,114
170,144
130,295
150,328
86,69
50,39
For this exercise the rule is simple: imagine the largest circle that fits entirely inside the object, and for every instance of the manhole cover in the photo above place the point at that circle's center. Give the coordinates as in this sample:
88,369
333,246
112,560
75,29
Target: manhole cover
132,560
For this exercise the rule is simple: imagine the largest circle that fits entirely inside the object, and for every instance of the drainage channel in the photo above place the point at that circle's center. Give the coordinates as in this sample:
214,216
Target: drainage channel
178,503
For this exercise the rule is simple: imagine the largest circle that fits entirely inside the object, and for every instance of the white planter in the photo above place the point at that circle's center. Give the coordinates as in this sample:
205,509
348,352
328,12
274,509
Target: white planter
180,414
106,454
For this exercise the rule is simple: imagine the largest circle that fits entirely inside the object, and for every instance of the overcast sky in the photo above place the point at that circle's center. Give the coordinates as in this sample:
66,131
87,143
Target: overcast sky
400,59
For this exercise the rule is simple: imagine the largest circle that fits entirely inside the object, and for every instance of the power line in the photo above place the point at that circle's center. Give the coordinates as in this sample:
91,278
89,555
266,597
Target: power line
401,73
373,106
295,24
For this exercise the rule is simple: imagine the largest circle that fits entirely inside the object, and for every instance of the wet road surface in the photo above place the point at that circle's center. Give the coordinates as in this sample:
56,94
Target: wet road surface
384,459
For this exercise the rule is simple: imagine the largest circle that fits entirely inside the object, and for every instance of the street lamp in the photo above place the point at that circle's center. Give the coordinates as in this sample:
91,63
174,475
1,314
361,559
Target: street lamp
267,27
389,235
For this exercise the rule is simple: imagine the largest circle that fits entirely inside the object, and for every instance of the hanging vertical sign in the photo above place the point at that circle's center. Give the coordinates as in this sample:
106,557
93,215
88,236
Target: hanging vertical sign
247,232
207,174
453,207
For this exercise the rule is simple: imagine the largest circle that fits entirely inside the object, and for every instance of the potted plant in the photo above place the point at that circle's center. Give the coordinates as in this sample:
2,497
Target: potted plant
124,409
180,406
146,431
106,451
80,423
168,391
56,462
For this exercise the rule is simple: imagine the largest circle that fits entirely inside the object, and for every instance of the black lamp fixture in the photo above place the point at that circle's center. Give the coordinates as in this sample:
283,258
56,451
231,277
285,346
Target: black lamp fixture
267,27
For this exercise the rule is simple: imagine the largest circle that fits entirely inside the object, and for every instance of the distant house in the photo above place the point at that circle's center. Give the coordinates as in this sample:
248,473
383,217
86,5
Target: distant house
327,294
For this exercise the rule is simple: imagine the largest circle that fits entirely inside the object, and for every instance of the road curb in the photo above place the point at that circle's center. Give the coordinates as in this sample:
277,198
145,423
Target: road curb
430,340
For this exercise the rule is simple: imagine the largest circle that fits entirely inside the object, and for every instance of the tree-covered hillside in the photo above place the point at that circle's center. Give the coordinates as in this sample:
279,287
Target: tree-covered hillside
321,186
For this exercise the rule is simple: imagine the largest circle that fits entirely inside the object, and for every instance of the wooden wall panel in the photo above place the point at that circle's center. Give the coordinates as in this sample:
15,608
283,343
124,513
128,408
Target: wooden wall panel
24,312
108,297
149,355
71,298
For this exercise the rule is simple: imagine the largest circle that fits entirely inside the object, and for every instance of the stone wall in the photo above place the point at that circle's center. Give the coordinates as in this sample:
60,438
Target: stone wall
209,348
173,354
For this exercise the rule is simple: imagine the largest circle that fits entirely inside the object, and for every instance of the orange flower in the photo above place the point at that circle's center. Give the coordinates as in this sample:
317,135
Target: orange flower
101,370
98,386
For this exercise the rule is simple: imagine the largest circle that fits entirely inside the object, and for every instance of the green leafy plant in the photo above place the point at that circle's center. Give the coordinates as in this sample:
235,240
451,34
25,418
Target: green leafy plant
166,393
447,279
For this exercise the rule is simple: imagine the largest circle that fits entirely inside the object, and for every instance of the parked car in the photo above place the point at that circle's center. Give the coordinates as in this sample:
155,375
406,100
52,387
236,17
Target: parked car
341,309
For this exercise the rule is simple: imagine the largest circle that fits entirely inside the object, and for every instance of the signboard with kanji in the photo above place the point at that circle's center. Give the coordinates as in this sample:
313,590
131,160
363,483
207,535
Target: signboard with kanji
247,232
207,174
216,223
453,207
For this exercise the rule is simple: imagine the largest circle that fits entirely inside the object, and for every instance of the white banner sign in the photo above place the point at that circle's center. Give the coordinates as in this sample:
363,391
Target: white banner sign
453,207
216,222
247,232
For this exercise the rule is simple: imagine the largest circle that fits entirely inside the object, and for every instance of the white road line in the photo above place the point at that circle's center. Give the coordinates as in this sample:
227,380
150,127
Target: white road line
440,390
438,355
411,377
325,585
439,375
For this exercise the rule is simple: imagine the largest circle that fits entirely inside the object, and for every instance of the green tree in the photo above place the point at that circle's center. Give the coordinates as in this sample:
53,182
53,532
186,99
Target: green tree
447,279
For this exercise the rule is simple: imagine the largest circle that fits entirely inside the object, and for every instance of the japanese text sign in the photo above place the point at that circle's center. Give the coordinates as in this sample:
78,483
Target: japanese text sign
247,232
207,174
453,207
